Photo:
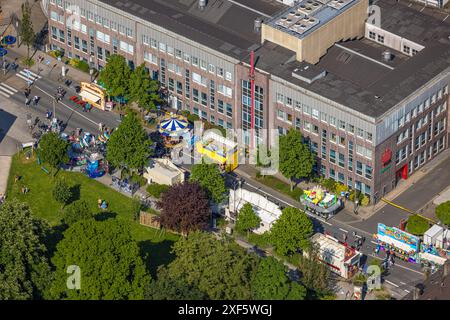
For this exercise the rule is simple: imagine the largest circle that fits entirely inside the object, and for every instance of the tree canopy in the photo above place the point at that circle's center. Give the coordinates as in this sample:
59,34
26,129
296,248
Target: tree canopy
77,211
24,263
315,275
296,160
218,268
185,208
62,192
115,76
53,150
291,231
209,178
443,212
108,259
26,27
129,144
247,219
142,89
270,282
167,288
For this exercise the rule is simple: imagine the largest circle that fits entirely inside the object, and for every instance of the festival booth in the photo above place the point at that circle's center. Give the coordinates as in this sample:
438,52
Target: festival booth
403,245
266,210
433,249
219,149
319,202
341,259
94,166
173,128
93,94
163,171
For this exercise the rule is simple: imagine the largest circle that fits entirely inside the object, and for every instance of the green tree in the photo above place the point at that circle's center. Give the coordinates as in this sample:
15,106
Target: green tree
443,212
167,288
53,150
417,225
115,76
209,178
79,210
219,268
108,258
129,144
296,292
291,231
315,275
270,282
142,89
26,31
24,263
62,192
296,160
247,219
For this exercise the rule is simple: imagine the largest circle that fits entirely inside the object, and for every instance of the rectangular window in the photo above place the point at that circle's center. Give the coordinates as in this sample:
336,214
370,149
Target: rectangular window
332,156
229,110
195,95
359,168
341,160
204,99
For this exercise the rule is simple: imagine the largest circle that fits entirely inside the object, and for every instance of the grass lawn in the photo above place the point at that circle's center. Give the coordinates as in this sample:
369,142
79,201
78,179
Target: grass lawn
154,242
279,185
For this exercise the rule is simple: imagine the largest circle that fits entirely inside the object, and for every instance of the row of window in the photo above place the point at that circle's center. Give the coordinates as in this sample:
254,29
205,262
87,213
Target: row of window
424,105
202,114
316,114
92,16
340,177
195,61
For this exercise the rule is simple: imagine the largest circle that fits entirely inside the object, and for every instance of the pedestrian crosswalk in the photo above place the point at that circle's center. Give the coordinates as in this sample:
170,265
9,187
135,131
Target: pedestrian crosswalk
6,90
28,75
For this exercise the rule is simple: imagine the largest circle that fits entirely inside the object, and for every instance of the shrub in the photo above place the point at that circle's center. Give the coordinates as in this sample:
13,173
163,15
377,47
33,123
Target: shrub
62,192
365,200
185,113
55,54
329,184
340,188
193,117
135,178
443,212
417,225
79,64
156,190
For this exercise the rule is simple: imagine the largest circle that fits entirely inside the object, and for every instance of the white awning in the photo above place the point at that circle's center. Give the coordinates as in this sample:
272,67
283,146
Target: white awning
89,96
432,258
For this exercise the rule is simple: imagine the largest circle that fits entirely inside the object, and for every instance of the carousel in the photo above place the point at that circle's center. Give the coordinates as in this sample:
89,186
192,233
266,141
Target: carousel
173,128
320,202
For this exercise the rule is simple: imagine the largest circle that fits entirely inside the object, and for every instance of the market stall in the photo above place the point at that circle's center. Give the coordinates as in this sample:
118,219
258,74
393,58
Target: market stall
219,149
341,259
93,94
403,245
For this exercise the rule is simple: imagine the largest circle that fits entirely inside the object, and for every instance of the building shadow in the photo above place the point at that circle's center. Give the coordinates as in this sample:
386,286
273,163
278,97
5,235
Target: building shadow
6,122
155,254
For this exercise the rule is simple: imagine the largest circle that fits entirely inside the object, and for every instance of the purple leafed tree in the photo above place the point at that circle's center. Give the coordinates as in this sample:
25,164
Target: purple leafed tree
185,208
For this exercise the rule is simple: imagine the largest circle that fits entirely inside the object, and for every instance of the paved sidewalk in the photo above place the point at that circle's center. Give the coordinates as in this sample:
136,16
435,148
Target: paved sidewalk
5,165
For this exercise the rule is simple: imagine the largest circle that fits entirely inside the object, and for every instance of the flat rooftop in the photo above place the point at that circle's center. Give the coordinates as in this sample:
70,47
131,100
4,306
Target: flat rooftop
224,25
308,15
356,74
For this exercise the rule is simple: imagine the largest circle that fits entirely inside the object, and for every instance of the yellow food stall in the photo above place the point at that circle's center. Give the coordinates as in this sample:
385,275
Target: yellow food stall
93,94
219,149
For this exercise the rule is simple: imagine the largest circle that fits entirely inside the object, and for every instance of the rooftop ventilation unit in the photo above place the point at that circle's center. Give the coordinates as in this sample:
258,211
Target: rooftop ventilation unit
339,4
304,24
308,7
202,4
387,55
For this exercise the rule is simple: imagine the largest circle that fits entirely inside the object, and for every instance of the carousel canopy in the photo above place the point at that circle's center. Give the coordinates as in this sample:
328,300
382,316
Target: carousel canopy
175,126
8,40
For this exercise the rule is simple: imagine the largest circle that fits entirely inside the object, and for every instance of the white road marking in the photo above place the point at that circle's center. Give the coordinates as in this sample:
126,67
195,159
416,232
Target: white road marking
391,283
24,75
446,18
343,230
373,242
249,8
6,90
422,9
65,105
402,283
407,291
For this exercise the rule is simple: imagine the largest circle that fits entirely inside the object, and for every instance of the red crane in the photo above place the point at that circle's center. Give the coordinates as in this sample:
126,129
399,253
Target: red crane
252,102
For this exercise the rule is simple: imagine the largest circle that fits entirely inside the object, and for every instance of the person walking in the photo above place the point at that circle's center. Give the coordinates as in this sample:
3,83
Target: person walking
36,100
